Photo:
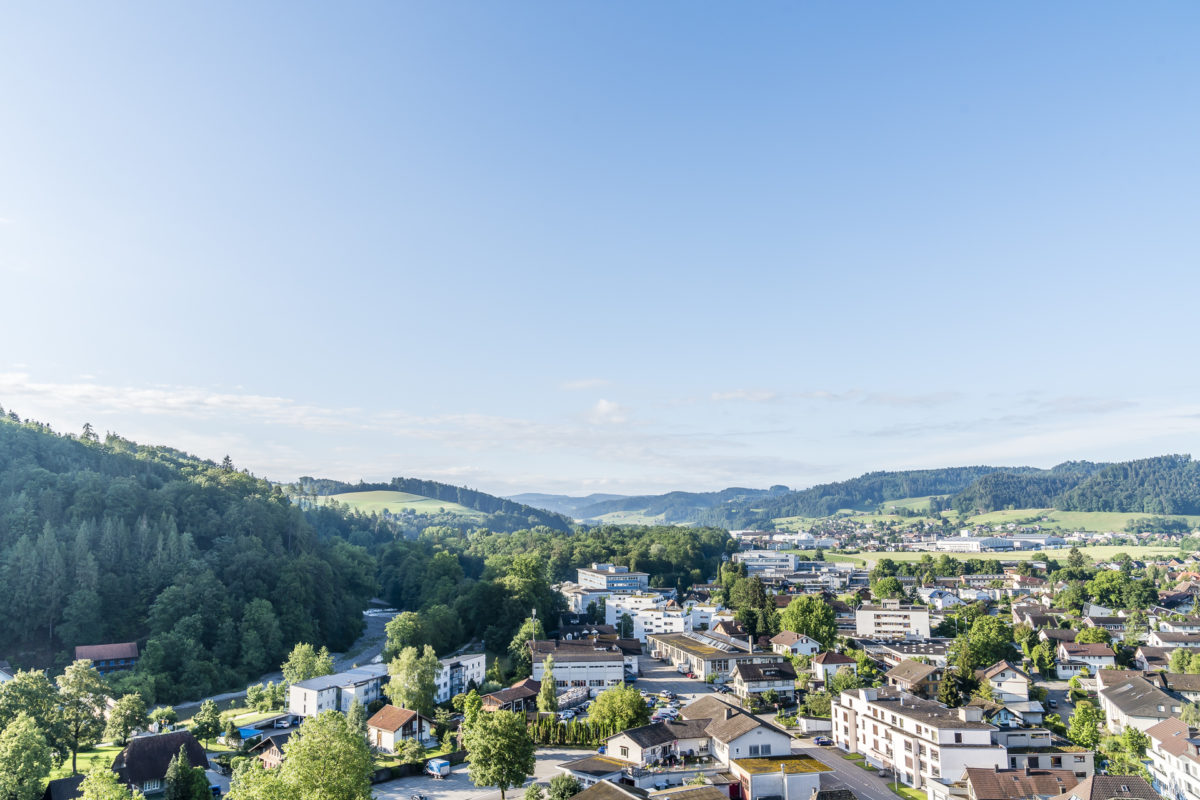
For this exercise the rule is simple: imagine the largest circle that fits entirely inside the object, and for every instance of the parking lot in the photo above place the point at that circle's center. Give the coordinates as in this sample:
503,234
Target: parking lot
458,786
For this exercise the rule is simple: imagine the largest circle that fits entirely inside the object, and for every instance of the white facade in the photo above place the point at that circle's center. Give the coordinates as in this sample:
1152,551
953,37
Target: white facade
630,604
457,673
892,620
703,617
579,664
612,578
766,562
337,692
922,740
1174,760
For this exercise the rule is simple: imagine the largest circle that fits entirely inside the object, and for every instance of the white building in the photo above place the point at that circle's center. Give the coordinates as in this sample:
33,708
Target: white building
631,604
612,578
794,644
457,673
705,616
767,562
922,740
337,692
1129,700
892,620
1174,759
595,665
1074,658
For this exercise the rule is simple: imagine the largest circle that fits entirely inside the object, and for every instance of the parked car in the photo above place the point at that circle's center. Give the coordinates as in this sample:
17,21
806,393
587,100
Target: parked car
1052,703
566,715
823,741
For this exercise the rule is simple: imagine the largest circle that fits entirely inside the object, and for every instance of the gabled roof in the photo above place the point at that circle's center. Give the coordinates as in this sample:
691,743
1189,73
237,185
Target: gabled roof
1136,697
64,788
106,652
832,658
1172,735
606,790
391,719
1093,649
910,671
1108,787
789,638
1014,784
147,757
658,733
1001,666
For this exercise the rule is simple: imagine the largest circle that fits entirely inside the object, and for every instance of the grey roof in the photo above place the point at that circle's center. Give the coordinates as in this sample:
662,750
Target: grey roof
911,671
1136,697
352,677
935,715
1108,787
657,733
725,722
781,671
596,765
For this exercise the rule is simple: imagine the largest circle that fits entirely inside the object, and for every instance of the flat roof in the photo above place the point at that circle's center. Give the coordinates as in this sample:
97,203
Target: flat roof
792,765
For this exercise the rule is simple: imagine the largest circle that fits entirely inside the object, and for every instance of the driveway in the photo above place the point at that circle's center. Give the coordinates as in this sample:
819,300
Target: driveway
1058,691
866,785
458,786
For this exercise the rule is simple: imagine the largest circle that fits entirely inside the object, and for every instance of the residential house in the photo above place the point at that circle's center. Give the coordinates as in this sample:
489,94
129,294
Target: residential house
1057,635
1162,638
1111,787
108,658
64,788
597,770
1179,684
1188,624
1130,700
894,651
942,599
916,678
736,734
1174,754
336,692
269,749
458,673
660,741
521,696
794,644
390,726
826,665
1114,625
1006,681
1016,784
1152,658
143,763
752,680
892,620
923,741
1074,658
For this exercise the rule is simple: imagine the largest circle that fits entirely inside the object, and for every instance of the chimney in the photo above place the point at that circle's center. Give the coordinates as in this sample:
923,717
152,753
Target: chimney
728,713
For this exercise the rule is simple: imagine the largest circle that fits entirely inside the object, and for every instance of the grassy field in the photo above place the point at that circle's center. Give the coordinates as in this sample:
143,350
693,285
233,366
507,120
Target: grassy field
395,502
96,757
629,518
1096,552
1046,518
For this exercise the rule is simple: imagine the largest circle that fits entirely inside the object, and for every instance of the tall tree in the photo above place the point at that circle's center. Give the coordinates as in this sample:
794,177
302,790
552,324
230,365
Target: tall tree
500,750
356,717
24,759
183,781
518,648
328,760
414,679
305,663
547,700
81,701
564,787
809,616
206,723
102,784
127,716
619,708
1084,729
31,692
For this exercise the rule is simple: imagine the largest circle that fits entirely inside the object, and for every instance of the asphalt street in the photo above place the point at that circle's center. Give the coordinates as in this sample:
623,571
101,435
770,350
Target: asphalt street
866,785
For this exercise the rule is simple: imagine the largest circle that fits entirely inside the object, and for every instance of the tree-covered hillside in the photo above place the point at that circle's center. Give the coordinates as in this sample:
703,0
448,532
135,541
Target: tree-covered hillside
213,571
502,515
685,507
1162,485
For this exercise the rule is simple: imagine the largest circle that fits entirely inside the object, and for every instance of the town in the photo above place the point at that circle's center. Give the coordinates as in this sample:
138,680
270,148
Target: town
779,677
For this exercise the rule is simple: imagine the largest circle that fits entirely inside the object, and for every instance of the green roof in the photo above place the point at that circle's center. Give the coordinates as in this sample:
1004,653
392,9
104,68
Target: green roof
792,765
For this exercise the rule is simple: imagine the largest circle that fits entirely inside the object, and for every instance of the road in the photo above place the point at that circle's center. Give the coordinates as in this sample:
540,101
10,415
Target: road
866,785
458,785
1058,691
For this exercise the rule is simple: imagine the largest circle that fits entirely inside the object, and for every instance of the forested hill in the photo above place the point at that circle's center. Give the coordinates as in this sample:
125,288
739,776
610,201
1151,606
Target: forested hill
684,507
501,514
211,570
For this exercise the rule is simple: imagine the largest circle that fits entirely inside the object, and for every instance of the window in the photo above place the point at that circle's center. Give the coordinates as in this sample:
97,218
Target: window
624,752
958,738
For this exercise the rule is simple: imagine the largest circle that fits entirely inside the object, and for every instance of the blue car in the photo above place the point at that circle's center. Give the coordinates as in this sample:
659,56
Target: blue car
823,741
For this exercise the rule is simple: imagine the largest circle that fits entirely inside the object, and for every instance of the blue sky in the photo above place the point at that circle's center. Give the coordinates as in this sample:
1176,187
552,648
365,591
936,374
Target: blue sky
604,247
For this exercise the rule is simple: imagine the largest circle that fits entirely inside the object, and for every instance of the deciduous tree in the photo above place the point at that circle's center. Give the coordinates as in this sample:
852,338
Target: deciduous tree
127,716
414,679
306,662
206,724
547,700
81,702
500,750
619,708
24,759
809,616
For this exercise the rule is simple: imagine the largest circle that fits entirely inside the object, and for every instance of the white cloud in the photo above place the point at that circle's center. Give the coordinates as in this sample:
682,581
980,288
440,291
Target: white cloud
606,412
753,396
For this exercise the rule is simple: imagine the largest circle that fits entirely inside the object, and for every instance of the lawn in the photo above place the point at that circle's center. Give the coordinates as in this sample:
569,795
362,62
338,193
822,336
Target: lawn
396,502
96,757
907,791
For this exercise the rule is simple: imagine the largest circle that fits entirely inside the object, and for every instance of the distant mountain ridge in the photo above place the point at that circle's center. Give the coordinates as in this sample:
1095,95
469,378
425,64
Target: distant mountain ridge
1161,485
561,503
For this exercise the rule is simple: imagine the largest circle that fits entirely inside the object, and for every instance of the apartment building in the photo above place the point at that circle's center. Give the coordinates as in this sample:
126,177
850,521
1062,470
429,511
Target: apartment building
892,620
612,578
767,562
707,653
337,692
921,740
1174,759
457,673
1129,700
